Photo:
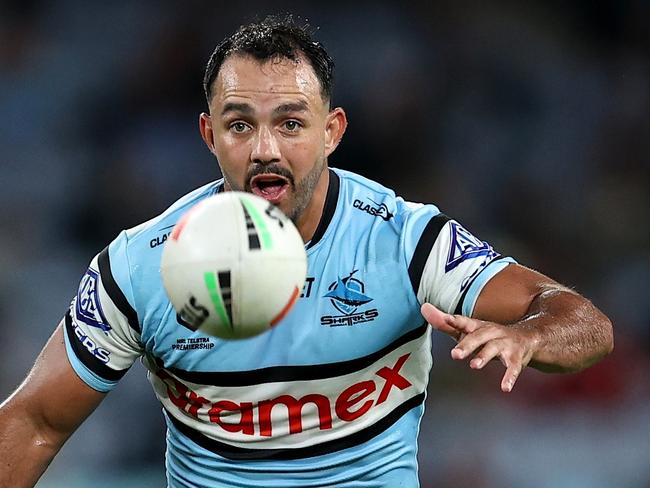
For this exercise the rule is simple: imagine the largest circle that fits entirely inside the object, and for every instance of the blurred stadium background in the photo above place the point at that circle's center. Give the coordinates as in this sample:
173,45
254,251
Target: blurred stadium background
528,121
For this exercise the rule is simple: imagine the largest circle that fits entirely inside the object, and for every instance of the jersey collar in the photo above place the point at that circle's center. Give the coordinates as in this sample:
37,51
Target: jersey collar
328,210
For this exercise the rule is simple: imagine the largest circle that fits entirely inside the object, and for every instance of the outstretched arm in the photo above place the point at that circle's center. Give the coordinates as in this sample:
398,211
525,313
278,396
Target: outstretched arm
37,419
524,318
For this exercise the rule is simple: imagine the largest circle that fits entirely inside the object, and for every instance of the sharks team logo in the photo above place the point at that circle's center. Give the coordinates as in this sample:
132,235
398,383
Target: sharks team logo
347,295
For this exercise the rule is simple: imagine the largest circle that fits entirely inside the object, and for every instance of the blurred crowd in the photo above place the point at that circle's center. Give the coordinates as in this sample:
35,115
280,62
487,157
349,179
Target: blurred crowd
527,121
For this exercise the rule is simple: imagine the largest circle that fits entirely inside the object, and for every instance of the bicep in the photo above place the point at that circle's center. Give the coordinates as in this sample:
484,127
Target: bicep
52,396
507,296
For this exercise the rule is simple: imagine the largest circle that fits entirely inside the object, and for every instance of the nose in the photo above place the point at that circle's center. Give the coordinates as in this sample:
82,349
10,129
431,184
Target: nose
266,149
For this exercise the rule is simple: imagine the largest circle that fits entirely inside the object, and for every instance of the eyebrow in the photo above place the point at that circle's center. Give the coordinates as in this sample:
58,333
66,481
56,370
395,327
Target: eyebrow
246,109
300,106
237,107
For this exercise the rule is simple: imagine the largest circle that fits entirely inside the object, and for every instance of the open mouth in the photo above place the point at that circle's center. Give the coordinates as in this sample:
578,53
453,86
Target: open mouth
271,187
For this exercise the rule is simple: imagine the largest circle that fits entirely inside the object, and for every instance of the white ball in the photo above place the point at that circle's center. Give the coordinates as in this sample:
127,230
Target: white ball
233,266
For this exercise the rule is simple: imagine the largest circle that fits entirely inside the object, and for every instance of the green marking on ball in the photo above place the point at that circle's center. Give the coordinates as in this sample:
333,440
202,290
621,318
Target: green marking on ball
212,284
260,224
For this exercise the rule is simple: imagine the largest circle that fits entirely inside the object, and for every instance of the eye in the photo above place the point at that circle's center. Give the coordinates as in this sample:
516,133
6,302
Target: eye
239,127
292,125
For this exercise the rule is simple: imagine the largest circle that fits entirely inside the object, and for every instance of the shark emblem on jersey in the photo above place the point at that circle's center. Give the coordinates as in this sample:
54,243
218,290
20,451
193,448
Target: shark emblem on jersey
347,294
88,307
464,246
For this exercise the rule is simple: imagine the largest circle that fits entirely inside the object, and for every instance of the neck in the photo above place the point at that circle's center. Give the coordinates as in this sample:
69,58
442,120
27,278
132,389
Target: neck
310,218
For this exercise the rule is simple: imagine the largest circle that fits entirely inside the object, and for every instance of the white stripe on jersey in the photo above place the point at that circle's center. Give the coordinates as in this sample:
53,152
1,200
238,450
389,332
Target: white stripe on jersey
298,414
452,265
93,305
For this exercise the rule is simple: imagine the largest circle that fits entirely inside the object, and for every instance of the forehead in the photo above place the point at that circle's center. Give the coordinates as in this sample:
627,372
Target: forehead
246,77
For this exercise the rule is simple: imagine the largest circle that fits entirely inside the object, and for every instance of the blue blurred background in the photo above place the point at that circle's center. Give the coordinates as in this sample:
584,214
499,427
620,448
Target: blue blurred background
527,121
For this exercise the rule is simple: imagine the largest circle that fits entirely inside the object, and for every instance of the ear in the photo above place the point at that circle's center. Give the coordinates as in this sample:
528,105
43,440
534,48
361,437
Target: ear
335,126
205,127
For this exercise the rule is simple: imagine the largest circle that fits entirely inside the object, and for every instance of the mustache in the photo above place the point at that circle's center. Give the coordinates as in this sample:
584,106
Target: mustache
270,169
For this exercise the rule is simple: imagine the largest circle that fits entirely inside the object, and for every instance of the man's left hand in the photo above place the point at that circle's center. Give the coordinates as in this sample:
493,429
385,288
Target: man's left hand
484,341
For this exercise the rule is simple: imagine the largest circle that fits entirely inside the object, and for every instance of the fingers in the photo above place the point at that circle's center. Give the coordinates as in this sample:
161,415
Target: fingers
474,341
454,325
511,359
464,324
485,341
439,320
510,377
490,351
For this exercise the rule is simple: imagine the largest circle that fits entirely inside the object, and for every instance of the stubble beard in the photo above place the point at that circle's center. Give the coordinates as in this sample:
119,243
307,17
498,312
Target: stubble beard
301,192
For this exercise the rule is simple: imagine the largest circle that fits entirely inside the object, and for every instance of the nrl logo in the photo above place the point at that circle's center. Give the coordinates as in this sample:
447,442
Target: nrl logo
464,246
88,307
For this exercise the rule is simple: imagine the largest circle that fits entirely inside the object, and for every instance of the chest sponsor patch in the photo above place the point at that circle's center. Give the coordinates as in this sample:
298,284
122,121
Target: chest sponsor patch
303,413
88,307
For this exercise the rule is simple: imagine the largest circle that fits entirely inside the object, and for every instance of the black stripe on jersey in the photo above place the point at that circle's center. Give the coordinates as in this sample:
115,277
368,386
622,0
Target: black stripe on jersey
290,373
114,291
459,305
253,238
226,292
86,357
328,210
423,249
232,452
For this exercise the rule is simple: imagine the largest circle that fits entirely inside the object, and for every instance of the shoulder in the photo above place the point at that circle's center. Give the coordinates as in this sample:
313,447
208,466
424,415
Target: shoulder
132,260
366,196
154,232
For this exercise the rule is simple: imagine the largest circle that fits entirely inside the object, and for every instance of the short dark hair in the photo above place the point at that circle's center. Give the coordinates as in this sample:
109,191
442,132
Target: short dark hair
272,38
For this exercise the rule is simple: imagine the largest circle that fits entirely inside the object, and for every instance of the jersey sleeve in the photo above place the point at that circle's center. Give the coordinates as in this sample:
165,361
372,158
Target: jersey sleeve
102,331
448,265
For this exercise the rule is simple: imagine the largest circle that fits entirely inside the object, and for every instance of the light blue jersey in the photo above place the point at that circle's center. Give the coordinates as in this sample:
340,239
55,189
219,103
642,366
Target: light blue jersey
333,395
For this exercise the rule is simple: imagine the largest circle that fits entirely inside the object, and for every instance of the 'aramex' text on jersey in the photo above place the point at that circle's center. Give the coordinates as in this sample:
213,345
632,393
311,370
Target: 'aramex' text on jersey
351,403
